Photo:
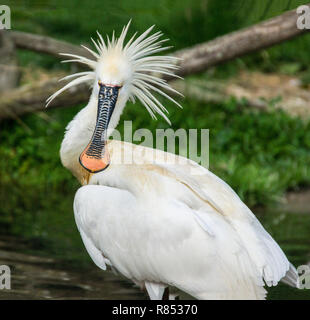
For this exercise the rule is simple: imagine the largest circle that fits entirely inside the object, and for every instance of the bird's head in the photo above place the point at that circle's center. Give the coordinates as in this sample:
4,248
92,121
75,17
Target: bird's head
121,71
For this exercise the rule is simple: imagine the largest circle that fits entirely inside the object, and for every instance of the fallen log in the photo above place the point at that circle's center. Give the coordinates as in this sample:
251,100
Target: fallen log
31,98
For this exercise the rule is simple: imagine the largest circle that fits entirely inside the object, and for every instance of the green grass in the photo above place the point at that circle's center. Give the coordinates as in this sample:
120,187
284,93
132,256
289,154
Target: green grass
261,155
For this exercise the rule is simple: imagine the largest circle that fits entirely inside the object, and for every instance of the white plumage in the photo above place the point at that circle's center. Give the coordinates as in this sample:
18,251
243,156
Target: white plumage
165,222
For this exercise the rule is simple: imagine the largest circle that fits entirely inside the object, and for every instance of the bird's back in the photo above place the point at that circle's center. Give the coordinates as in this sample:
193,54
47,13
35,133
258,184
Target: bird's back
177,223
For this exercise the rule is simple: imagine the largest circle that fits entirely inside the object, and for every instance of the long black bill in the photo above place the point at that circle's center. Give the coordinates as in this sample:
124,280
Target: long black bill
95,156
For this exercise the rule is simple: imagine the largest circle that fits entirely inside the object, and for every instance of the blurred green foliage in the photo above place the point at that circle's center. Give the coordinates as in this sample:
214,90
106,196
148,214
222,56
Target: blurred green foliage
260,155
184,22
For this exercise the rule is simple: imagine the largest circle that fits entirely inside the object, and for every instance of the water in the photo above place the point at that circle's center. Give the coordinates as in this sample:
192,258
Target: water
43,276
37,277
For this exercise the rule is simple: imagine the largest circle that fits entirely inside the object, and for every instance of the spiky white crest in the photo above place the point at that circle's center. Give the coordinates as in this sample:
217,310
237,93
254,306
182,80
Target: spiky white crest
132,65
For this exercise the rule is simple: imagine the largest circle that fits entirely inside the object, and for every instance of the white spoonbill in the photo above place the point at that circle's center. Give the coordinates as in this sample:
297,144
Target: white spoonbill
159,223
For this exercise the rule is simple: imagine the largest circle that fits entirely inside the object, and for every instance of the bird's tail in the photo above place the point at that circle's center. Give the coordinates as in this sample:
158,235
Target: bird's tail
291,278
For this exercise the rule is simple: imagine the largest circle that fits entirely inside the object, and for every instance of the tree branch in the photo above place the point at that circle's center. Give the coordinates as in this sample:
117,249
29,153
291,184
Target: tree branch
44,44
239,43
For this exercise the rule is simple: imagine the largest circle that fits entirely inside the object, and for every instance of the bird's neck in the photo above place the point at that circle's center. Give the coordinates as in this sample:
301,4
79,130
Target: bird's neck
79,133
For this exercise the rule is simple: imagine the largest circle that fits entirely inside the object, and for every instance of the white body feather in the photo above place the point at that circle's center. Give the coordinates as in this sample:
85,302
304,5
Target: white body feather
159,226
158,223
